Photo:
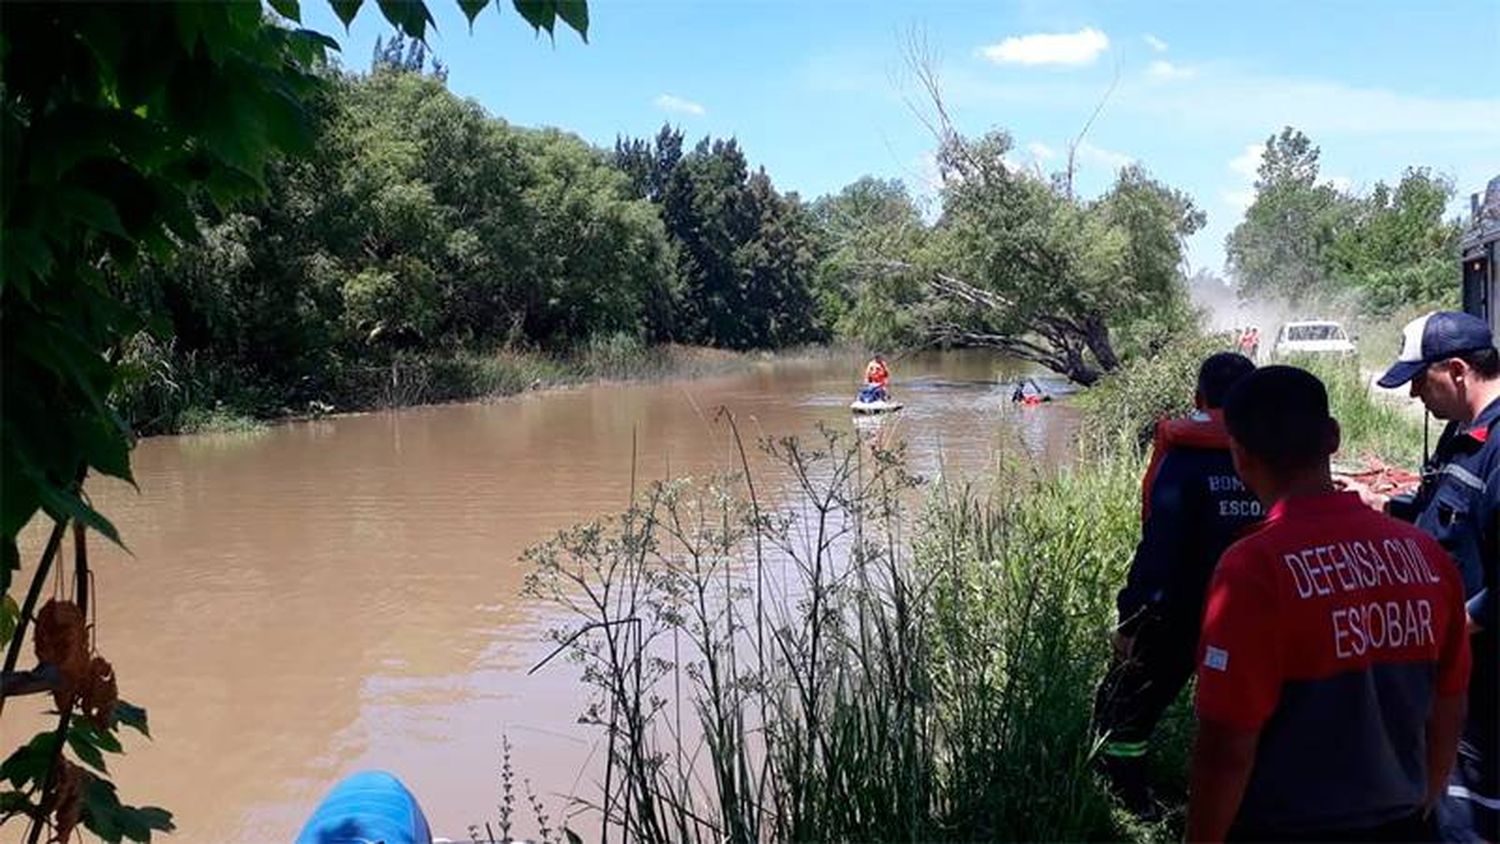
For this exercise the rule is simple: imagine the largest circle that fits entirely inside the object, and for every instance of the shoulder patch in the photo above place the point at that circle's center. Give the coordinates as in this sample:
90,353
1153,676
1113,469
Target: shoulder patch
1216,658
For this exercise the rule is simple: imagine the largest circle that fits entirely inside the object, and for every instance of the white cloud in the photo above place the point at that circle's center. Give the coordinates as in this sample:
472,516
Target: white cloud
1244,167
1248,162
1220,99
1107,158
929,176
1156,44
678,105
1341,183
1040,151
1077,48
1239,200
1164,71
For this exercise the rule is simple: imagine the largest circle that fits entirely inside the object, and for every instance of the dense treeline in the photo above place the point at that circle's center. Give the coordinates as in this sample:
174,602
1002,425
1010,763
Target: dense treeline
745,254
422,230
421,227
1303,239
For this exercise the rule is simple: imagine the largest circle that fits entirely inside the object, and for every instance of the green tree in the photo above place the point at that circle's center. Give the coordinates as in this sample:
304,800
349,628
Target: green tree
601,259
1021,265
745,253
420,224
1280,247
1305,240
870,234
406,54
1397,248
113,119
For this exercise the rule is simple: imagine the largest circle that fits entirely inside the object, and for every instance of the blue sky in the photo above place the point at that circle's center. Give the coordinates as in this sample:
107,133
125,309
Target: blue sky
817,92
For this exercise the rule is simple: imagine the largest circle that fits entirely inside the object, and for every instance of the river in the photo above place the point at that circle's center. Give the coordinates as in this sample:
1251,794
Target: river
345,593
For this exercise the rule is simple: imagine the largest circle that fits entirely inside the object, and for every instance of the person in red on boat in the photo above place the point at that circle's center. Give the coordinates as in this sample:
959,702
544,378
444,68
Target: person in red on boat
1334,663
1193,506
878,375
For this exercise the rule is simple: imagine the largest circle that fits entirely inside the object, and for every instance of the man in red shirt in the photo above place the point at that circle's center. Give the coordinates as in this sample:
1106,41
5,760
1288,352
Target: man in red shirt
877,373
1334,661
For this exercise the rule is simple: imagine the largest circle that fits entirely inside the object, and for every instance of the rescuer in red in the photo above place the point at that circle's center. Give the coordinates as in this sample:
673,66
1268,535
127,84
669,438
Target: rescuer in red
1334,658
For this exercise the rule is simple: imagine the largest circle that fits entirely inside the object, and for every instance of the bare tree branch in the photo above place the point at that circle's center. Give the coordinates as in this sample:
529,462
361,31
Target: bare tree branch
954,334
923,64
1088,124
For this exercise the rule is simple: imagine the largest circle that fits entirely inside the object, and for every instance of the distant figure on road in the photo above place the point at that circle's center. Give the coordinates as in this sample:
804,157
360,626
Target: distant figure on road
1249,342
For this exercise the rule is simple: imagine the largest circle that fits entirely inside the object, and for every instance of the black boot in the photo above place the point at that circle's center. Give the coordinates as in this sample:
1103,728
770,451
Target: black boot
1128,783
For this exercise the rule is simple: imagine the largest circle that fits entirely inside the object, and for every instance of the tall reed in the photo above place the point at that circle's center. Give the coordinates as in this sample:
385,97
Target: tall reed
818,655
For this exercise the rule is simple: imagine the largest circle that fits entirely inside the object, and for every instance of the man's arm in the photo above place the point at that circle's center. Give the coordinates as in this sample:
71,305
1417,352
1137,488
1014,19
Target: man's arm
1444,726
1163,538
1223,757
1484,606
1239,687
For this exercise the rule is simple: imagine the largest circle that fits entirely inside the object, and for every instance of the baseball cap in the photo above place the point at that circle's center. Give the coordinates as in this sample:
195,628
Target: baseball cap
1433,337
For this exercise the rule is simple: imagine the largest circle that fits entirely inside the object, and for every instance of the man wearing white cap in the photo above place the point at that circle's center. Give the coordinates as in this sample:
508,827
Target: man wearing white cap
1453,366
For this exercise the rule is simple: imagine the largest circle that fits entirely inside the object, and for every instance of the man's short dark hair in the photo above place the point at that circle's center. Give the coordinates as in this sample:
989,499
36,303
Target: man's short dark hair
1220,372
1484,361
1279,414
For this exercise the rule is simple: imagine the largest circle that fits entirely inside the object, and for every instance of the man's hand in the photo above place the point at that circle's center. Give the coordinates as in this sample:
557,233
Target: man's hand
1370,498
1444,726
1223,756
1123,646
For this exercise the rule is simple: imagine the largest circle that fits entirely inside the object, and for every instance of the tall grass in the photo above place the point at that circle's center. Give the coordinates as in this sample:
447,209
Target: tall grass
825,662
166,390
1121,411
1376,426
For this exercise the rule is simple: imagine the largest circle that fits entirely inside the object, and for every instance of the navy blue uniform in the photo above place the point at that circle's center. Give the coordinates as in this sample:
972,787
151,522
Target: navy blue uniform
1197,508
1459,505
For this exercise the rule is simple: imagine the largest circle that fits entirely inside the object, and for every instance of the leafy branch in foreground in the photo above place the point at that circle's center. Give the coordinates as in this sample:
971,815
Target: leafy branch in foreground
114,120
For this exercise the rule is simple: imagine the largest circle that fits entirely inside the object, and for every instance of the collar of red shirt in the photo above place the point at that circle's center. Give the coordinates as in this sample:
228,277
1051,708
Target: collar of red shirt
1326,504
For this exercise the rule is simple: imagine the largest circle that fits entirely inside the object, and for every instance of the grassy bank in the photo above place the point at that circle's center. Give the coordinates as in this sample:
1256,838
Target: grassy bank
1122,410
828,663
167,393
831,665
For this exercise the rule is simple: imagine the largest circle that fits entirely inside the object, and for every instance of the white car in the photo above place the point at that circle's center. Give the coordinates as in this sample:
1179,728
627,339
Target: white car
1312,337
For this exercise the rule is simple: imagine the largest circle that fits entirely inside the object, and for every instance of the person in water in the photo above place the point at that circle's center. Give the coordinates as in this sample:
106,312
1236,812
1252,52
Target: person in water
1036,394
877,380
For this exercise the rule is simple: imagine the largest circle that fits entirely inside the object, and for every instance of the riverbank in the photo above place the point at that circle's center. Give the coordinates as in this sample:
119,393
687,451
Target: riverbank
920,674
1122,410
420,380
948,656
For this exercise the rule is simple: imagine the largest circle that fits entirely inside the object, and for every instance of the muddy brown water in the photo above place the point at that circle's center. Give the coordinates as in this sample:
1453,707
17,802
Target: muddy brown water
343,594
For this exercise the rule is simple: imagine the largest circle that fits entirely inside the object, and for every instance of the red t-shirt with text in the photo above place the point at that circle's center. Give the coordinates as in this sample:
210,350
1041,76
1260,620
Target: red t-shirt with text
1330,630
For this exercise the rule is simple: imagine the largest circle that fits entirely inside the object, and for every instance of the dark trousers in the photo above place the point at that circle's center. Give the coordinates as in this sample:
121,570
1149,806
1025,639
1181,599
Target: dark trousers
1137,690
1411,828
1470,811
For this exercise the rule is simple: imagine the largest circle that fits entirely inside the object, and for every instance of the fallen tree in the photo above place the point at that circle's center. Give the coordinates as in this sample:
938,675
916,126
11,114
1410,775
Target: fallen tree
1017,262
